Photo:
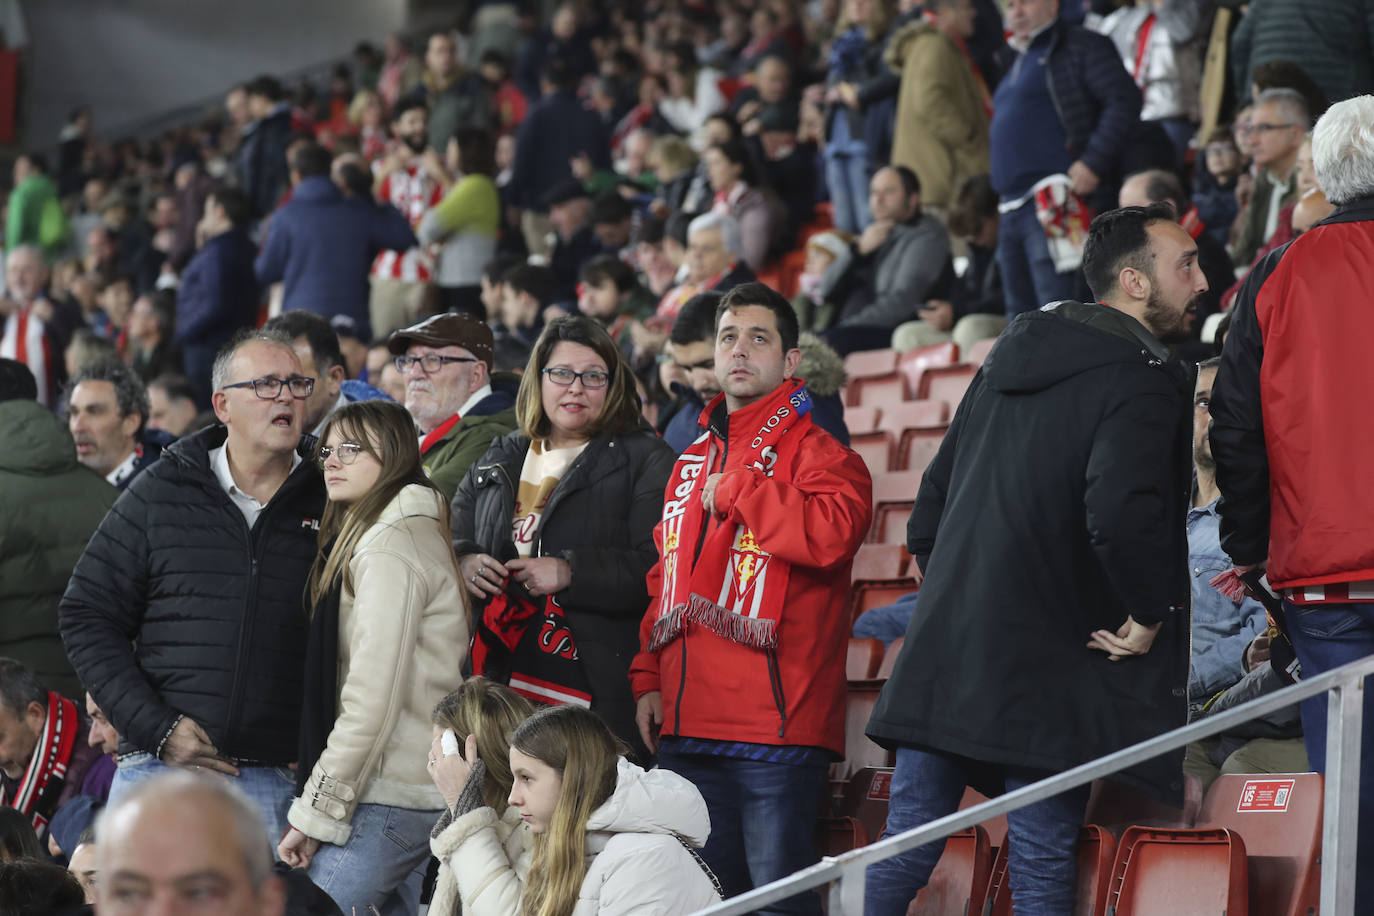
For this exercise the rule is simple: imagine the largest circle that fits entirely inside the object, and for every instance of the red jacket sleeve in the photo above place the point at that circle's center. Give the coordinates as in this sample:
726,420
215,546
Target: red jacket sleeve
644,666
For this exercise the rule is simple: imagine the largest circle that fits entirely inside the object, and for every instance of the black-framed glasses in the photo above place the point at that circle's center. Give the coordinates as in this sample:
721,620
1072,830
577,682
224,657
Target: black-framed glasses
430,362
346,452
592,378
300,386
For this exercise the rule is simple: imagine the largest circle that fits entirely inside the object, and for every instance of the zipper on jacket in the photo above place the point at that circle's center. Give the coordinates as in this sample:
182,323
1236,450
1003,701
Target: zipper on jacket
775,681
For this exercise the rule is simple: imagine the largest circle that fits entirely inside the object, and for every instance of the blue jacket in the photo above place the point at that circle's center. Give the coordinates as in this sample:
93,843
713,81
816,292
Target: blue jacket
261,162
556,129
1222,628
321,245
218,293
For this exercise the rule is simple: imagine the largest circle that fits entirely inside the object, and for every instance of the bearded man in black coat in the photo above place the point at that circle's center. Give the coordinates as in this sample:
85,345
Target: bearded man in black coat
1053,624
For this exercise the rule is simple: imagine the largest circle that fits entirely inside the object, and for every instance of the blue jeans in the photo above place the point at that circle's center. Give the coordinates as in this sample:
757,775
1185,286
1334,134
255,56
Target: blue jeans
846,176
1043,837
382,864
1326,636
887,623
270,789
763,818
1029,279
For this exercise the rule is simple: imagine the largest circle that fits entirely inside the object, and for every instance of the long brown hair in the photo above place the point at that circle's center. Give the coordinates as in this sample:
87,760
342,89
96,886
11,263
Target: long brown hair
492,712
386,432
619,415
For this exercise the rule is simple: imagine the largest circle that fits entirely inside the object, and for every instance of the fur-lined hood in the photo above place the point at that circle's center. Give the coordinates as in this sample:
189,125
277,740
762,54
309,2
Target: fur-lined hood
821,367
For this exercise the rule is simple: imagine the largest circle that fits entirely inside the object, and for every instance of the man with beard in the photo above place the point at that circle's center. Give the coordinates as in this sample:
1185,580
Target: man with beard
1074,588
446,361
411,178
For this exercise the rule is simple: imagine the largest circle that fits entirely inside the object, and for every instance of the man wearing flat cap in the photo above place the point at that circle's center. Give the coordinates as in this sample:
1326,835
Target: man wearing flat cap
446,363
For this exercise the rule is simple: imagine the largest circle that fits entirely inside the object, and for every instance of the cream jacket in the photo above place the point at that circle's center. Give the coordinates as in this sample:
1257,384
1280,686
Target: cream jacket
635,861
403,637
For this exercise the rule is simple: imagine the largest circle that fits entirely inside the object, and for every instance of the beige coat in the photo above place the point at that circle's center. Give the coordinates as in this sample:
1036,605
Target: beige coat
403,636
942,127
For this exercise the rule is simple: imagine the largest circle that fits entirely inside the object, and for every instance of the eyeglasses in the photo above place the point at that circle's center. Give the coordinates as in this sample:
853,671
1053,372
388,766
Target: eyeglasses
300,386
592,378
1265,128
430,362
346,452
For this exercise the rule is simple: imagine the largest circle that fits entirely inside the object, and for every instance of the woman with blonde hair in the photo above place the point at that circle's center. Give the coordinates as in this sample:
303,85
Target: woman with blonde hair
605,837
388,635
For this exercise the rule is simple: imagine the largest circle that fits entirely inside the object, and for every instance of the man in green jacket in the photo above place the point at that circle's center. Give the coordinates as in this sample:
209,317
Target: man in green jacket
49,506
35,217
446,361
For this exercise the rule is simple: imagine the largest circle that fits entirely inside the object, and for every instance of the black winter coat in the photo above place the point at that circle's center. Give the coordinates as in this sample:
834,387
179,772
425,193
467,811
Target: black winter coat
600,519
177,608
1056,506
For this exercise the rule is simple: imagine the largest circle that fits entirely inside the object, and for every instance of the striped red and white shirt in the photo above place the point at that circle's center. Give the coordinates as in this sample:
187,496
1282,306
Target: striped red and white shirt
412,191
26,339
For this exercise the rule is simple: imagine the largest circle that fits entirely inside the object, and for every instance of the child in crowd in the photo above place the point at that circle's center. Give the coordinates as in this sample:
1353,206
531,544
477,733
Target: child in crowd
813,312
1216,199
610,295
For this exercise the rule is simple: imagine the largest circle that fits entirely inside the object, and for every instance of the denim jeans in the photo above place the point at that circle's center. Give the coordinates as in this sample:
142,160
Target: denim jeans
763,818
1326,636
1043,837
270,789
1029,279
382,864
887,623
846,176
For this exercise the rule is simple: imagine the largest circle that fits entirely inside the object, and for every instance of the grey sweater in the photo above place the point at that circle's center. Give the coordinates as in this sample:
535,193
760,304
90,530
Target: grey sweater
906,268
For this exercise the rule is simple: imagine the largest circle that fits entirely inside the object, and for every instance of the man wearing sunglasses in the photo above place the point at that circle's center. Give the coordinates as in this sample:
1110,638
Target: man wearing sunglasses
183,617
446,363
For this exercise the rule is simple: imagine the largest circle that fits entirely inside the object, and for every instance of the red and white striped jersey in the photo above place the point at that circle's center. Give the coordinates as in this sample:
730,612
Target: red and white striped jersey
412,191
25,339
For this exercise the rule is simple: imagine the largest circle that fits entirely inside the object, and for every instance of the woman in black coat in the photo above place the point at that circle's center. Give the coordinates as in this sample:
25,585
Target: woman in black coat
554,529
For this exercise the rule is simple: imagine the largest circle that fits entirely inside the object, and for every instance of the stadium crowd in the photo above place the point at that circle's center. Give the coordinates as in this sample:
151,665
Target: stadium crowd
444,473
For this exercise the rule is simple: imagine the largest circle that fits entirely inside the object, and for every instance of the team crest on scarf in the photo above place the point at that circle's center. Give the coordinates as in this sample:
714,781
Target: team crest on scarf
748,568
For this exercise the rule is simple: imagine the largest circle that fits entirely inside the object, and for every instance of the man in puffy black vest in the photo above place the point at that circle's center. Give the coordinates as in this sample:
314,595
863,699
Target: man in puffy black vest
184,616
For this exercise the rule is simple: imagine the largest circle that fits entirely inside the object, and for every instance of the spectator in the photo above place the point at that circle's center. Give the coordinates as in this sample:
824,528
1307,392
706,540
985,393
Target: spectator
612,297
1286,501
1214,195
321,244
508,101
43,762
656,268
574,241
675,168
446,363
787,166
401,71
561,40
35,216
527,292
178,833
1067,107
943,105
859,95
171,405
772,85
1230,636
29,332
317,347
1276,131
488,714
73,143
692,350
612,218
572,789
191,635
388,632
81,865
412,179
261,159
554,529
768,736
151,350
49,505
714,261
735,183
17,838
813,309
117,302
1331,41
493,289
975,309
900,261
107,409
157,242
32,888
467,222
556,130
218,294
1113,581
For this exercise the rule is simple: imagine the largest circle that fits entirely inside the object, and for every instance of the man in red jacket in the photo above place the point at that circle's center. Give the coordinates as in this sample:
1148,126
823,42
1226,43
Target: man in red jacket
741,666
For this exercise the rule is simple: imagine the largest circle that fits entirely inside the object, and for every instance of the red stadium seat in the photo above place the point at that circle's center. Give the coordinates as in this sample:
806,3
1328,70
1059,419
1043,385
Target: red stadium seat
861,419
867,363
879,562
960,879
917,447
859,750
866,797
947,383
1179,872
978,353
898,418
889,523
914,363
876,449
863,658
879,391
1096,853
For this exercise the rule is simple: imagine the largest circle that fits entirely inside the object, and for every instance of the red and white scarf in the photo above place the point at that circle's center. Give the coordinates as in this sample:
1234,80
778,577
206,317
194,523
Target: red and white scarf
36,793
723,578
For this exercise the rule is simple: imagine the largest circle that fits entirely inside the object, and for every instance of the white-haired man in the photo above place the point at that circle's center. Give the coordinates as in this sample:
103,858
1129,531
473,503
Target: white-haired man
715,261
28,326
1289,442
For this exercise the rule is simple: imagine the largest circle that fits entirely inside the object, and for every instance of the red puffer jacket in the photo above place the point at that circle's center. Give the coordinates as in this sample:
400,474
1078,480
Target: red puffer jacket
794,694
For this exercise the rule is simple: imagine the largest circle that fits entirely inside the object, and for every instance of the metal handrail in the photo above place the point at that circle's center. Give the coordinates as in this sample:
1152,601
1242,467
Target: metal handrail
845,873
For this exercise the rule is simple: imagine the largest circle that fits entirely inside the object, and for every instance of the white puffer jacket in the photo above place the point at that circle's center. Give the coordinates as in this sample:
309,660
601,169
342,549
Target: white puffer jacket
636,863
403,636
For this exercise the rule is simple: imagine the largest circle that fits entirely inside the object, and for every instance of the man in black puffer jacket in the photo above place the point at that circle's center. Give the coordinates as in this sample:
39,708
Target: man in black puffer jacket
184,617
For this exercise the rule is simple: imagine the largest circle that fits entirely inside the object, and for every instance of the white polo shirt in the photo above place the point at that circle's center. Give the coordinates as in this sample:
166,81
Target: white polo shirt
250,507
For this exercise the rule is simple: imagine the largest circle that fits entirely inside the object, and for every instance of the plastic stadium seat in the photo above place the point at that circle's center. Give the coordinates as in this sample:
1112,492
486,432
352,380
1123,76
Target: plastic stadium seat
861,419
868,595
859,750
947,383
866,797
914,363
1096,853
876,390
995,826
876,449
1283,846
890,658
917,447
878,562
889,522
868,363
863,658
960,879
898,418
978,353
1179,872
843,834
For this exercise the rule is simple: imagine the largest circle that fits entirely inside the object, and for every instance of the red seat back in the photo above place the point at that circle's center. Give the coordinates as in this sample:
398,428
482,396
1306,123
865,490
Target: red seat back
860,419
914,363
866,796
876,449
960,879
878,562
862,659
898,418
918,447
859,749
867,363
978,353
1096,853
879,391
947,383
1179,872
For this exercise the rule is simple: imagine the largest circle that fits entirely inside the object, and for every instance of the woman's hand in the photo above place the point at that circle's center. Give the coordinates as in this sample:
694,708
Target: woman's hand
541,575
450,772
483,574
296,849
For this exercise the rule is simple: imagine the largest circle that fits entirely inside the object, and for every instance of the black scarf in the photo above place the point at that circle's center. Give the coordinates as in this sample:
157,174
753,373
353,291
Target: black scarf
320,704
